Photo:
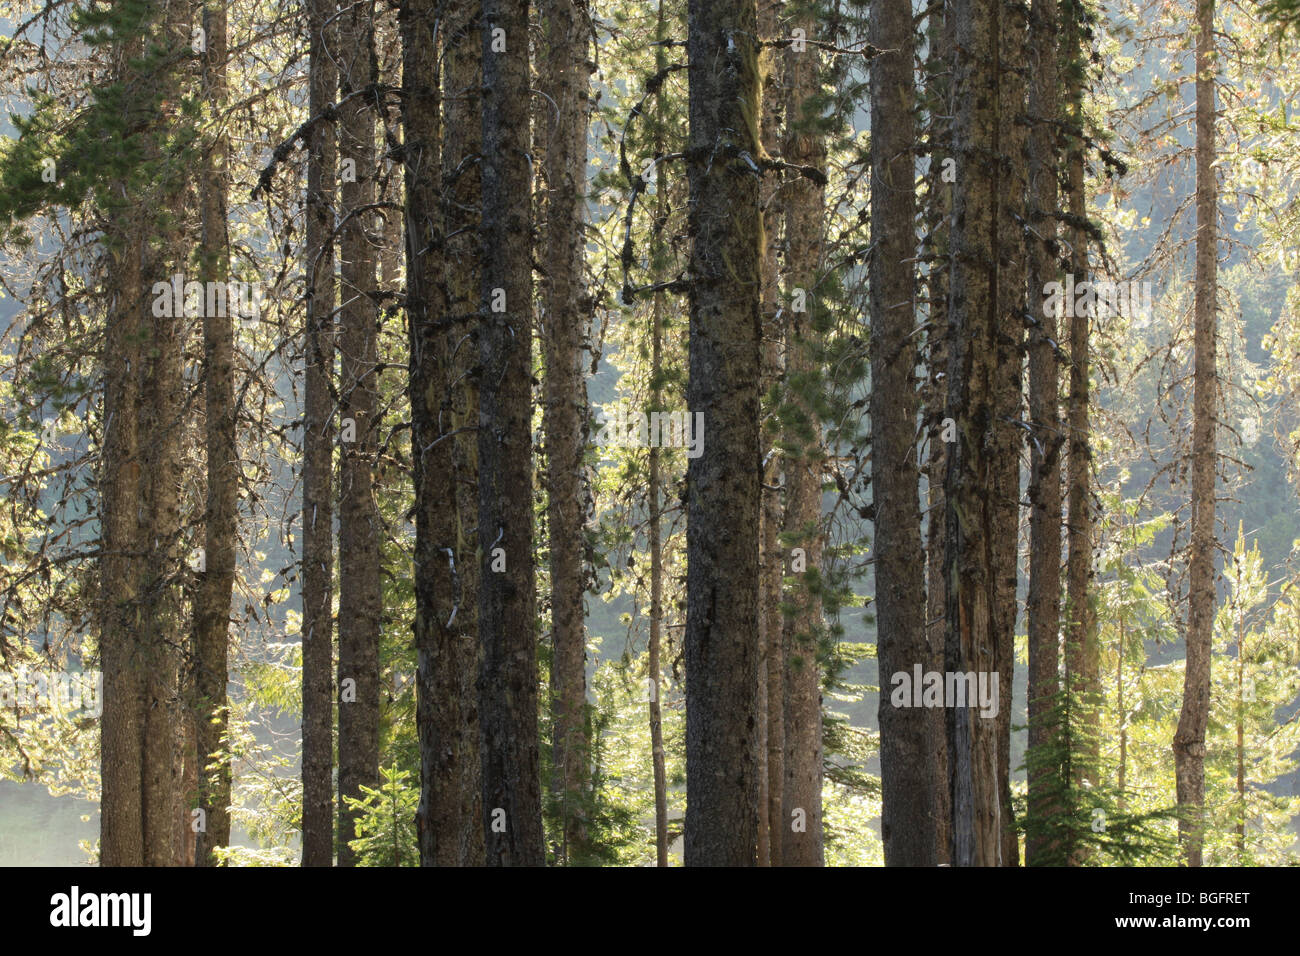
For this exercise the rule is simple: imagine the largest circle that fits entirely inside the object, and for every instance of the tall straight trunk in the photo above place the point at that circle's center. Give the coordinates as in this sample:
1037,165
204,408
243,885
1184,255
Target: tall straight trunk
318,452
565,69
1007,437
212,606
360,596
801,815
512,805
906,755
771,567
1189,739
462,64
142,739
974,369
937,214
1081,679
724,482
654,486
1043,608
121,834
448,824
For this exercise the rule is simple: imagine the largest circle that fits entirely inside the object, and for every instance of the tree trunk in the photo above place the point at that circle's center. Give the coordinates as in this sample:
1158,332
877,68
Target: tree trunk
565,78
907,819
1189,739
1081,678
461,187
723,482
360,596
1007,436
937,215
122,839
318,453
974,370
1043,608
448,823
512,806
654,486
212,607
771,567
801,814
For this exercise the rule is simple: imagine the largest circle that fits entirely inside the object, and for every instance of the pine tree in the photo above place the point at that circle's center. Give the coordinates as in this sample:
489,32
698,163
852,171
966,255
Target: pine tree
906,755
359,532
724,481
512,807
318,449
565,66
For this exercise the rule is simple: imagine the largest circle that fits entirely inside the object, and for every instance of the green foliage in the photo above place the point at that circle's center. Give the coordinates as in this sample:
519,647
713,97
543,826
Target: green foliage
386,824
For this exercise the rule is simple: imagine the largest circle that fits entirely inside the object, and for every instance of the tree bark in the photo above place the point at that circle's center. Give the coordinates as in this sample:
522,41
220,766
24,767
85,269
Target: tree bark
462,197
360,596
771,567
654,485
1043,608
1006,435
907,823
1081,678
974,368
318,452
938,214
565,69
723,482
1189,739
448,820
801,815
512,809
212,607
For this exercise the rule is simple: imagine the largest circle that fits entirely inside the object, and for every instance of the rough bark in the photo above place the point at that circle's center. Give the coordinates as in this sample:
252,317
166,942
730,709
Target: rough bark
447,820
1080,666
723,483
318,452
512,810
565,67
654,491
142,732
1006,436
771,567
803,629
1043,607
121,840
938,212
907,823
973,370
360,596
212,605
461,187
1189,739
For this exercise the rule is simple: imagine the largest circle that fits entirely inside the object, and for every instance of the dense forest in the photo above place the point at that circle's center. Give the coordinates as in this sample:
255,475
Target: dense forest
650,433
